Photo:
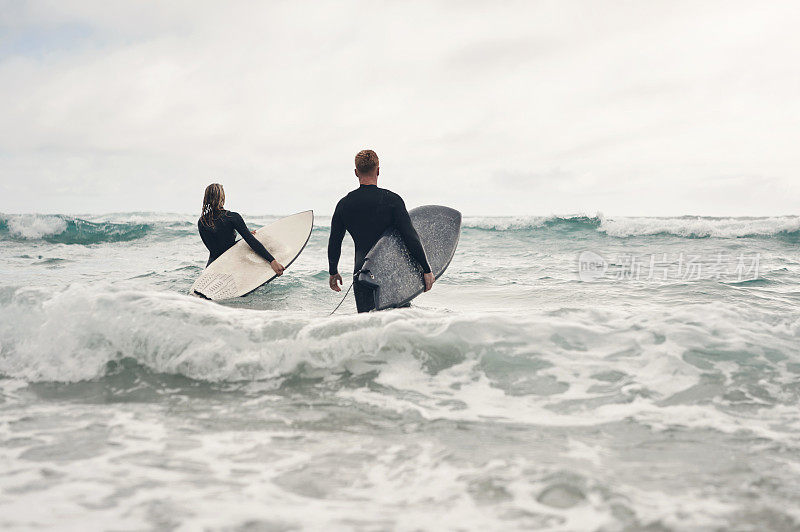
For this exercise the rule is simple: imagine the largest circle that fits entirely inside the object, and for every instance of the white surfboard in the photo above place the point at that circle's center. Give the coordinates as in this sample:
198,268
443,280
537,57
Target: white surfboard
240,270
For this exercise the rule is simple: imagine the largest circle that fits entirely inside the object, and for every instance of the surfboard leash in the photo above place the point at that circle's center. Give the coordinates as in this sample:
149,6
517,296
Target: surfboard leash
342,301
348,290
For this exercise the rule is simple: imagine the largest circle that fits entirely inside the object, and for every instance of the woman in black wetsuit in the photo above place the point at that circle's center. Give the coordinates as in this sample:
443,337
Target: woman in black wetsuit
218,228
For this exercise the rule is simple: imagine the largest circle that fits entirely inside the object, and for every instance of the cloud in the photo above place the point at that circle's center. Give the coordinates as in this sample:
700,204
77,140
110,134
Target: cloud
137,106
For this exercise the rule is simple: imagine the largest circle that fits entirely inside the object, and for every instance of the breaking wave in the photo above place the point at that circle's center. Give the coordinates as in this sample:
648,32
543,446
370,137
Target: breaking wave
130,226
63,229
527,223
624,227
703,227
573,367
72,335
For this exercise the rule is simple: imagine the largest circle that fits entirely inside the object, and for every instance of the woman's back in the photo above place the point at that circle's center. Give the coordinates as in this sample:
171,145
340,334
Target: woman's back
220,235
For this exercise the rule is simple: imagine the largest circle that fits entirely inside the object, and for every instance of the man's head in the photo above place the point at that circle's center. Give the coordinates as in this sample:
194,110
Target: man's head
367,168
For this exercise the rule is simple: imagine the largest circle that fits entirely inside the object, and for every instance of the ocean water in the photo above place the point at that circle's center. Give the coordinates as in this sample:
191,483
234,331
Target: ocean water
566,373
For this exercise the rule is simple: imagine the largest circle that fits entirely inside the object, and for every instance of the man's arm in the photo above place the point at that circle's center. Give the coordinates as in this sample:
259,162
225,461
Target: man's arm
403,223
335,247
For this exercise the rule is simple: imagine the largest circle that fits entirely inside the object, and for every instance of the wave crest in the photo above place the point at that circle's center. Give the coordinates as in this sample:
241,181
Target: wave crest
572,367
63,229
72,335
624,227
130,226
702,227
527,223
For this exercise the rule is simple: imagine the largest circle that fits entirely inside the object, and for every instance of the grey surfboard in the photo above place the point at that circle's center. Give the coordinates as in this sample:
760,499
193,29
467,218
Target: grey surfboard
393,273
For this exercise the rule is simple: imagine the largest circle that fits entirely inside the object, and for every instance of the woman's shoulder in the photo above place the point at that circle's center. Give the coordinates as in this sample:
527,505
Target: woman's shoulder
219,217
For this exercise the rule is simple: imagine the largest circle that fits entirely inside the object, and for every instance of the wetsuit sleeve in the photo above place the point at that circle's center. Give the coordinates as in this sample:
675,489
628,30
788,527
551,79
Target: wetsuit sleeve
335,240
402,222
252,241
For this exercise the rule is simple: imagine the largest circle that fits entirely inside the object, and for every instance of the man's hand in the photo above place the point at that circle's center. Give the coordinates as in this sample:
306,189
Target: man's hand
277,267
335,281
429,280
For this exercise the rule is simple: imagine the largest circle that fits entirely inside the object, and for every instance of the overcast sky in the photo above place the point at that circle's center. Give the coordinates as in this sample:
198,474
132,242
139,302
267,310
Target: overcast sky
623,107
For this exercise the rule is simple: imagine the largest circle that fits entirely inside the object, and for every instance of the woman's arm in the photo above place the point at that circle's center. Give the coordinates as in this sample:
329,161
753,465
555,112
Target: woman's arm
257,246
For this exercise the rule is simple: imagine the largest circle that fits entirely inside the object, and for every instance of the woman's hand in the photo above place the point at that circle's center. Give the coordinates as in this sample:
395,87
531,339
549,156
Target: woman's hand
277,267
335,281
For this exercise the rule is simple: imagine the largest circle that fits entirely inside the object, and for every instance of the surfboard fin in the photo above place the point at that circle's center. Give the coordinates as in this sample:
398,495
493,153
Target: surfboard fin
366,279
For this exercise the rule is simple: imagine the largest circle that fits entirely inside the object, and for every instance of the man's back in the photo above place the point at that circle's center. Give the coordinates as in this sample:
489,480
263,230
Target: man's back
366,213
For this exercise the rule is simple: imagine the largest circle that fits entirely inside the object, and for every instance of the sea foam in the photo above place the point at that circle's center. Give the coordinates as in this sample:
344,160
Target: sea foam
33,226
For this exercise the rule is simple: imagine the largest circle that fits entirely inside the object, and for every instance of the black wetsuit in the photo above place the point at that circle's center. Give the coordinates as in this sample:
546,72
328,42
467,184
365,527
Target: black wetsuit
222,235
366,213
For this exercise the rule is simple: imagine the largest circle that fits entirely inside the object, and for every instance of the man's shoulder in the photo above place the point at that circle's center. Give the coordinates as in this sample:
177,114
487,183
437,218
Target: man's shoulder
351,195
355,195
393,197
389,194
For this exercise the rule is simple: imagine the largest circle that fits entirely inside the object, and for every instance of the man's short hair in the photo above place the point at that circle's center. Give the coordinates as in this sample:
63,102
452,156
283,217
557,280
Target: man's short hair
366,161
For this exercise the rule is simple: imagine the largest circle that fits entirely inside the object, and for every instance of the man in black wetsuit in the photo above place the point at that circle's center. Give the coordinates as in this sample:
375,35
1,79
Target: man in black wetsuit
366,213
